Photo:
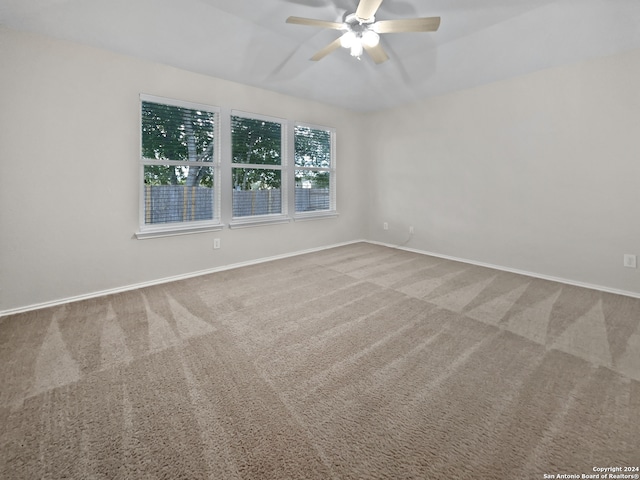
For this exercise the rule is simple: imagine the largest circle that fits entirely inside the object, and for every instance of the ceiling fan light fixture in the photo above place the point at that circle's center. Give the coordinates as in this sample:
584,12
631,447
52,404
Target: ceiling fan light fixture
356,48
370,38
361,31
348,39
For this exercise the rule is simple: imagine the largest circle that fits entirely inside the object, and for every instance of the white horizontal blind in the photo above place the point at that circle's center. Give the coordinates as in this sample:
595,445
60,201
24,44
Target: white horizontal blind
314,168
257,152
179,162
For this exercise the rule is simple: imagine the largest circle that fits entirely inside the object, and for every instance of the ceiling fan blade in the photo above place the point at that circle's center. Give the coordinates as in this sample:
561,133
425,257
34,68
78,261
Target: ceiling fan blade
367,8
426,24
315,23
326,50
377,53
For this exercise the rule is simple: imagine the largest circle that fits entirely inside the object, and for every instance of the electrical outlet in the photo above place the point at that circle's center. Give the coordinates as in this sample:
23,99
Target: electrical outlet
385,226
216,243
630,260
411,230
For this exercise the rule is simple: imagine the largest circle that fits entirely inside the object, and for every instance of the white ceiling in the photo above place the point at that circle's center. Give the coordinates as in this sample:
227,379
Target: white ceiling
248,41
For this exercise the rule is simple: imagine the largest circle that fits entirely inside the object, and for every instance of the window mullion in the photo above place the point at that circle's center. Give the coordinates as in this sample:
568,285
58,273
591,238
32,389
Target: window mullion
263,166
315,169
181,163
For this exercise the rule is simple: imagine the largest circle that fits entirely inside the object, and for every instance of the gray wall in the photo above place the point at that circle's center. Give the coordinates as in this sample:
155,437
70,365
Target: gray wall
539,173
69,152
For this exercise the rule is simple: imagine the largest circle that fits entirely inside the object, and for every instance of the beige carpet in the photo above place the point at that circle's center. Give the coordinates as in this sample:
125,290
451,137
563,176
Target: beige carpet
360,362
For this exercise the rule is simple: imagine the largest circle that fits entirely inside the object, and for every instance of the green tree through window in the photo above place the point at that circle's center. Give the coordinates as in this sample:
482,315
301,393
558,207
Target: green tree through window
267,178
178,145
313,163
256,151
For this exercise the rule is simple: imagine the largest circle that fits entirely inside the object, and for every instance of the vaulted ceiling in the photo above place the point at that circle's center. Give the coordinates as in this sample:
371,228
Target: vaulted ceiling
248,41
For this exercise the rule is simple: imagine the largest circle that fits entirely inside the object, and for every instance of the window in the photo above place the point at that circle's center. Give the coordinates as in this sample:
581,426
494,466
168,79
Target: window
179,166
271,171
257,166
314,169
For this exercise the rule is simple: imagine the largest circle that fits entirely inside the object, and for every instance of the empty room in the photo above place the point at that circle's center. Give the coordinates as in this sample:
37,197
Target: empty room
319,239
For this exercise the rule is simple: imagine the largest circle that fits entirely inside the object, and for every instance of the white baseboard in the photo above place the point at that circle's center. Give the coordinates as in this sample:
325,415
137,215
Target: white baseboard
565,281
160,281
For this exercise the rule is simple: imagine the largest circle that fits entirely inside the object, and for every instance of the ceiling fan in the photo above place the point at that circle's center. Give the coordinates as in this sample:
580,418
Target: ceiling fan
362,32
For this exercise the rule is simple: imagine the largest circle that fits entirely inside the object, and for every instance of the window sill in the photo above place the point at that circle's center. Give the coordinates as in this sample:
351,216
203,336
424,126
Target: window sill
258,221
301,217
156,232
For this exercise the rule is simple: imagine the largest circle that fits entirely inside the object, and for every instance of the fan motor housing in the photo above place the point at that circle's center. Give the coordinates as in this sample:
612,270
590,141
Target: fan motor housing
357,24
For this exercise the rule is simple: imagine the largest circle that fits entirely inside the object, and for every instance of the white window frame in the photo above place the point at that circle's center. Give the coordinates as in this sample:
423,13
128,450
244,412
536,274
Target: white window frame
332,211
181,228
256,220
